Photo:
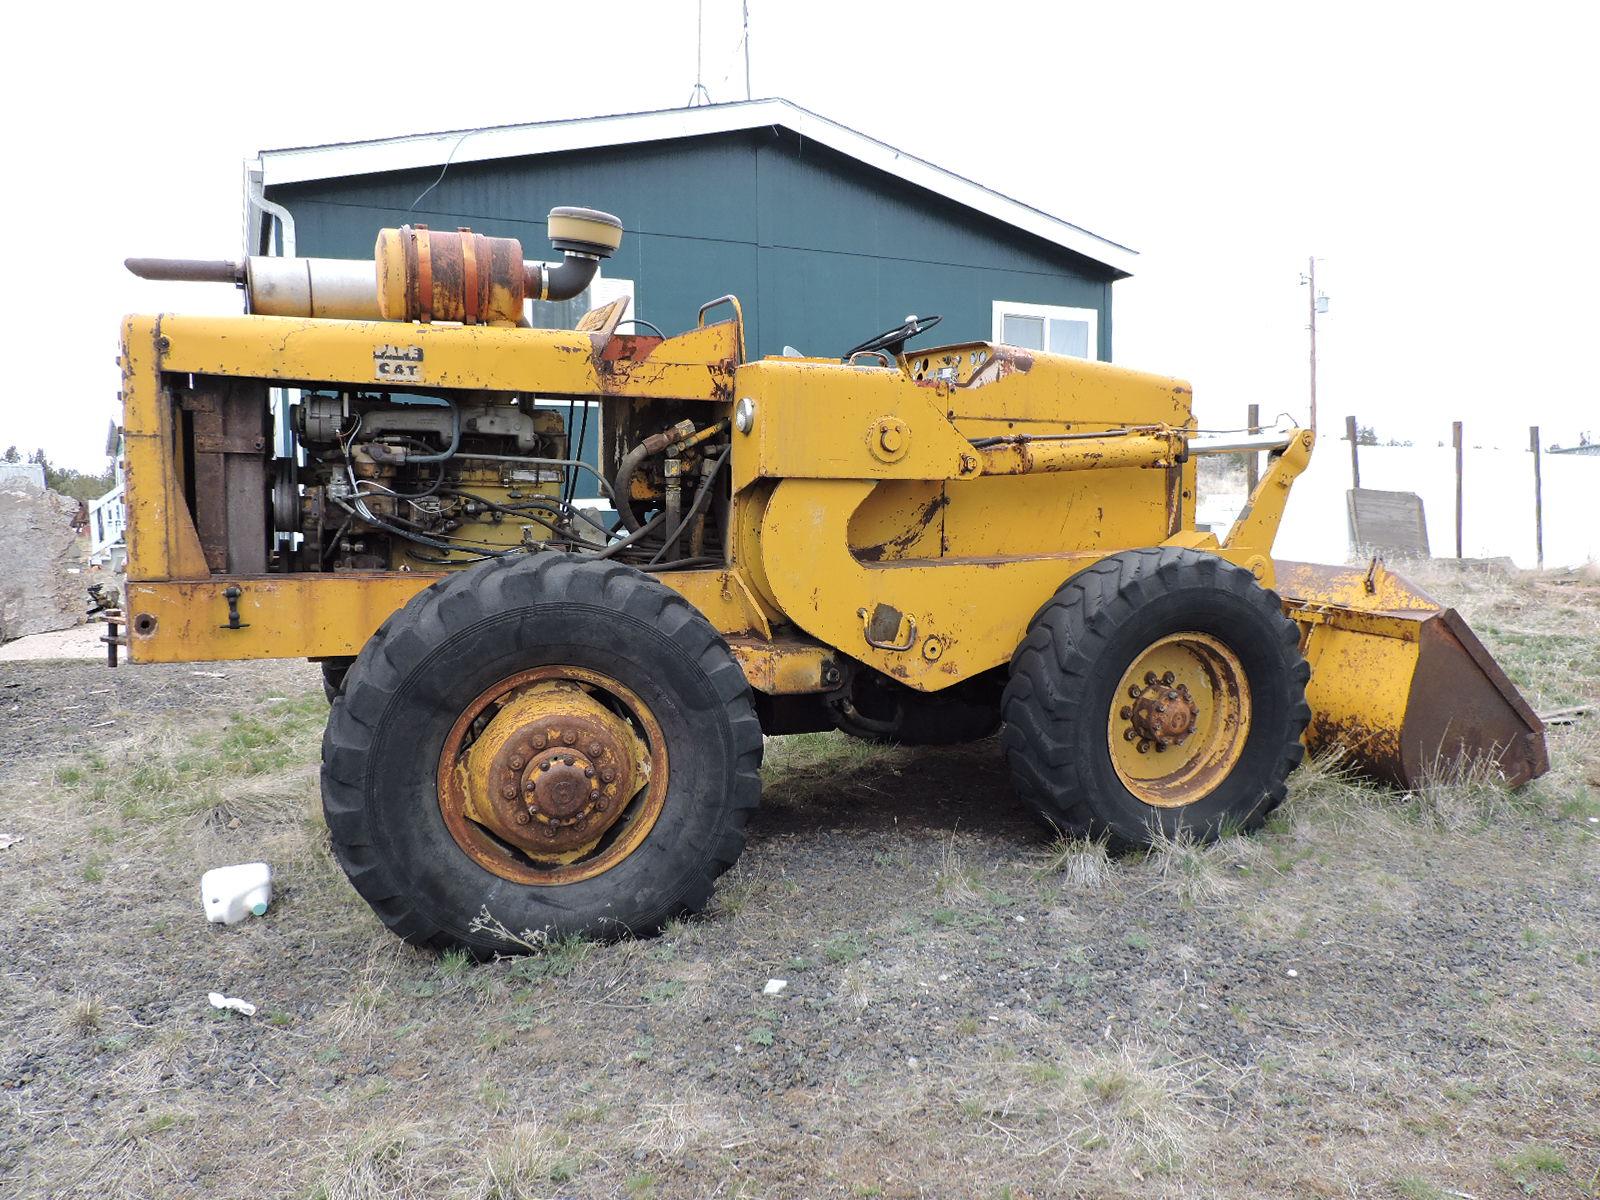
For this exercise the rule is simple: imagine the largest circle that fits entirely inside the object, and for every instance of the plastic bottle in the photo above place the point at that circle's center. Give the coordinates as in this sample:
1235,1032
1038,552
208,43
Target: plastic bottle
230,894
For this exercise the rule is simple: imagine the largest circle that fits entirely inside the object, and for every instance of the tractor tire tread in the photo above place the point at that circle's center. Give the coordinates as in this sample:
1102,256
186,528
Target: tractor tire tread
398,653
1054,664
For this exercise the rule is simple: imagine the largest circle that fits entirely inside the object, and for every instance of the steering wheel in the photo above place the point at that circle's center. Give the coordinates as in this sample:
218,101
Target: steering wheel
894,340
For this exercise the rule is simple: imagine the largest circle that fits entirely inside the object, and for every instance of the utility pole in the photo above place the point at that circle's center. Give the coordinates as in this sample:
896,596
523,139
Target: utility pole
1316,303
1456,441
1538,496
1310,280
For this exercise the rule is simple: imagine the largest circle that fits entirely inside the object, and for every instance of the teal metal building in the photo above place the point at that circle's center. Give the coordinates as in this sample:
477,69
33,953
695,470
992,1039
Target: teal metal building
826,235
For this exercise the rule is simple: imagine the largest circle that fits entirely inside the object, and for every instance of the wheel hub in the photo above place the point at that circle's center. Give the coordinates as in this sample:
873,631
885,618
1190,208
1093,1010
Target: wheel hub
553,770
1179,719
1163,713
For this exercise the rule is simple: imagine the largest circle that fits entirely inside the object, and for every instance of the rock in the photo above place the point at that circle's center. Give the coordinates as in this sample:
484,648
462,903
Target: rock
38,550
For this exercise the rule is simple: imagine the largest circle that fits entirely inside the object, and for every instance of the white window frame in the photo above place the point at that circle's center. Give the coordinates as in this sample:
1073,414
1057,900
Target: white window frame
602,289
1022,308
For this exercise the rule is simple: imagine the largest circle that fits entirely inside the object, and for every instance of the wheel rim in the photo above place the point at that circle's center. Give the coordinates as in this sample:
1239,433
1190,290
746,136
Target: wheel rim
1179,719
553,775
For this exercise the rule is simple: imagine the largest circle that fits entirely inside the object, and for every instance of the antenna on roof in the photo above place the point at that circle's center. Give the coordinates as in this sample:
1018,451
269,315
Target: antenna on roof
699,95
747,94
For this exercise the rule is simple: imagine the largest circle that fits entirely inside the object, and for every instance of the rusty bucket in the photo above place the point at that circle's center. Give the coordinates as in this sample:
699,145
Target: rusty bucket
1400,683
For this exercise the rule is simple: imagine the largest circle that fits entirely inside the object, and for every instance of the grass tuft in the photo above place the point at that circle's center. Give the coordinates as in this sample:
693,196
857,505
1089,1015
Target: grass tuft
85,1015
1081,864
521,1163
1193,869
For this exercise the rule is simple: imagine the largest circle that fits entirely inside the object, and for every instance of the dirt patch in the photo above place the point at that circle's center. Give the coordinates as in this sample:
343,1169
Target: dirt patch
1367,999
54,707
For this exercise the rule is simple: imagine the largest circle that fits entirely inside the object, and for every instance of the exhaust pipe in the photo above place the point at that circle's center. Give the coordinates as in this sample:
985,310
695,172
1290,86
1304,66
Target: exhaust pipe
278,287
417,274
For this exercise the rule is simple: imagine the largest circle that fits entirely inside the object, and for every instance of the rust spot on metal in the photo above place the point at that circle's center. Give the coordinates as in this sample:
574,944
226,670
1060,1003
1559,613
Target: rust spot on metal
1163,714
589,787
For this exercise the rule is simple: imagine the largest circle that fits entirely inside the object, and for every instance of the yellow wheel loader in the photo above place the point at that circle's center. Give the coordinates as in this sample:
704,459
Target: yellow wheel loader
551,710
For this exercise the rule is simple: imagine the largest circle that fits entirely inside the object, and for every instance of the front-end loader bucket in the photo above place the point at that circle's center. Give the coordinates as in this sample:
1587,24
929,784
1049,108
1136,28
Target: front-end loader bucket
1400,683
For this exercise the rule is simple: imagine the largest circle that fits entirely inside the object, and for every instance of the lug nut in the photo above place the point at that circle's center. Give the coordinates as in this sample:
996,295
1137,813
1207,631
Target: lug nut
1150,678
539,741
1167,678
509,791
1144,746
594,749
569,737
545,765
1126,712
1128,735
523,818
588,772
1133,692
595,795
608,775
517,762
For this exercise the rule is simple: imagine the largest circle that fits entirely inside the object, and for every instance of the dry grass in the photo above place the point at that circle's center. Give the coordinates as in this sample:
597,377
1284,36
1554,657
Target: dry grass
1194,871
84,1015
1378,995
669,1129
359,1012
955,882
857,988
521,1165
1081,864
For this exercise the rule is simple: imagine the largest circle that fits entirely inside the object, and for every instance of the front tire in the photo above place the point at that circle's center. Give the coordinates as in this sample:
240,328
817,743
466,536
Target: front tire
486,681
1159,692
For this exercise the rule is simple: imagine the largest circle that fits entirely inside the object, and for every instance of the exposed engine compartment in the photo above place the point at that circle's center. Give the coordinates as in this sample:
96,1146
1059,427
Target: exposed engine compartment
324,478
386,481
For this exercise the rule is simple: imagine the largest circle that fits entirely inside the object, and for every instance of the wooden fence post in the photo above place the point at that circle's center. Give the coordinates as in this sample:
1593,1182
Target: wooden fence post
1455,440
1538,496
1252,461
1355,462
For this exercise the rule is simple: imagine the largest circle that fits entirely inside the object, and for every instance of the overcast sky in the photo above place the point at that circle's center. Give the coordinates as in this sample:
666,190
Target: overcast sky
1439,159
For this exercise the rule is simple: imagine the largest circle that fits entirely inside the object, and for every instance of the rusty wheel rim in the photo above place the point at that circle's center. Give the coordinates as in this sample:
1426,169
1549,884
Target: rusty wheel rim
1179,719
507,849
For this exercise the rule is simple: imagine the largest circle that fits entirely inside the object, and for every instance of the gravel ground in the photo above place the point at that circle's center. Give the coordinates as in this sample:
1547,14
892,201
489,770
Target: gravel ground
1377,996
53,706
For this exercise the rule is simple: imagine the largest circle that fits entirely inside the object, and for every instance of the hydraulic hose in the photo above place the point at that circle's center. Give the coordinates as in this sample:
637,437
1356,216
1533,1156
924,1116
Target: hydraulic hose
700,500
683,433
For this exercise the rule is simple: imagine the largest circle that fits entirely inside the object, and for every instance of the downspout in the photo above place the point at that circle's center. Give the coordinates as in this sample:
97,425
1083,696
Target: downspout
255,198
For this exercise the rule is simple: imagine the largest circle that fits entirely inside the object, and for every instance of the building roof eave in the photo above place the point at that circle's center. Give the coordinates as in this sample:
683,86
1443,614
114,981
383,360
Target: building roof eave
303,164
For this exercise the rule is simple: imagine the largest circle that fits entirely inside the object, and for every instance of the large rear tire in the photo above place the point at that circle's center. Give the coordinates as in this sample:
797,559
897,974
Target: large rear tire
474,724
1160,691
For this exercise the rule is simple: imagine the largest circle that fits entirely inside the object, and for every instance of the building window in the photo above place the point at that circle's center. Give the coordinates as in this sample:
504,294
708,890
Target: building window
565,314
1048,327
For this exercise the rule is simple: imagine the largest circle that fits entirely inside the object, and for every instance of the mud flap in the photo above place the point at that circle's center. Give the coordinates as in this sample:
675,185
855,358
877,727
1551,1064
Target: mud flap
1401,683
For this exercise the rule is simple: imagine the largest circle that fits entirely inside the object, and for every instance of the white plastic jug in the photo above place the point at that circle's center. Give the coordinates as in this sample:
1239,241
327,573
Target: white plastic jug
230,894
